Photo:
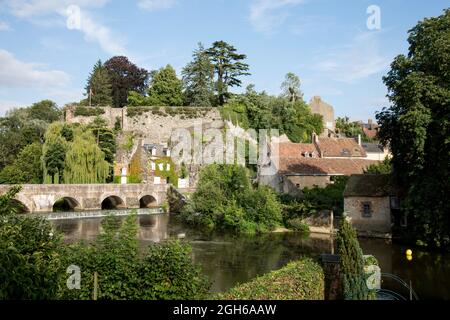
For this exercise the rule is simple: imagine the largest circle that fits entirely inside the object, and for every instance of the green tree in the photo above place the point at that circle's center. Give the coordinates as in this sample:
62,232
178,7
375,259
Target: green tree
349,129
45,110
125,77
165,88
198,79
27,168
85,161
99,88
417,131
225,199
291,87
354,285
54,154
384,167
106,141
30,267
228,67
18,130
261,111
163,272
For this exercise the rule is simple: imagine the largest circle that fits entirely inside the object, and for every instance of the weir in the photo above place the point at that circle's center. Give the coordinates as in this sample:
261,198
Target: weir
97,214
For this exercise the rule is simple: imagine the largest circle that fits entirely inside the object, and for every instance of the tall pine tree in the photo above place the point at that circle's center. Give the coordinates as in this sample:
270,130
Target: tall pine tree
98,88
228,67
198,77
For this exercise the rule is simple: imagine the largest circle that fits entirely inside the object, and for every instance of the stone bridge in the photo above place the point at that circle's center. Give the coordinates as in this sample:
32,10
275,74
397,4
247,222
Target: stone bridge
43,197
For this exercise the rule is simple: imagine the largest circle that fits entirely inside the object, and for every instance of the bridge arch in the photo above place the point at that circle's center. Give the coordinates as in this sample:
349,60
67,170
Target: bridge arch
113,203
148,201
66,204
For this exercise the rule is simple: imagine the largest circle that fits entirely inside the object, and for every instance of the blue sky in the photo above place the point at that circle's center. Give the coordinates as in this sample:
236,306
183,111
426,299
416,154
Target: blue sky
45,52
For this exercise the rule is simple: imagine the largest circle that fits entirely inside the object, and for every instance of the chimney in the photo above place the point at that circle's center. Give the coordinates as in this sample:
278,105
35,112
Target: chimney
370,124
359,140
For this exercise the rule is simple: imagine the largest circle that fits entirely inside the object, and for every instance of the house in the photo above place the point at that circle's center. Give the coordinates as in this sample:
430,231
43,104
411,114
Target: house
290,167
375,151
372,205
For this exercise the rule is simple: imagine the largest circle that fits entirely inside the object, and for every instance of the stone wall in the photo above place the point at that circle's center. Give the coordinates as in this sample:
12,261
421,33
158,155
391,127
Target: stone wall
379,224
294,184
153,124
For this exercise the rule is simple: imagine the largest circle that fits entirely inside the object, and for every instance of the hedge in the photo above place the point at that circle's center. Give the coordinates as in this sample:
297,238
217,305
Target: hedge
88,111
299,280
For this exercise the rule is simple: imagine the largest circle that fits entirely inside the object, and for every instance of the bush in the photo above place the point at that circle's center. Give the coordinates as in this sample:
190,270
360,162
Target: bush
300,280
165,271
30,265
224,199
352,264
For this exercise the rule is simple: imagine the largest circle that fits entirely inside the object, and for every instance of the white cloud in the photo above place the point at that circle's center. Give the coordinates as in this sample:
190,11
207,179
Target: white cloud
153,5
6,105
4,26
18,74
267,15
93,30
30,8
357,60
96,32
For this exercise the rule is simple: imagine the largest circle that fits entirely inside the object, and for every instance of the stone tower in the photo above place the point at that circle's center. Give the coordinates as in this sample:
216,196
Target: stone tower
318,106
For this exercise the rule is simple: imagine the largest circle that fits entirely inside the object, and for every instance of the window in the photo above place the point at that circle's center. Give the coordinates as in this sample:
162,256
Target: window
395,203
367,210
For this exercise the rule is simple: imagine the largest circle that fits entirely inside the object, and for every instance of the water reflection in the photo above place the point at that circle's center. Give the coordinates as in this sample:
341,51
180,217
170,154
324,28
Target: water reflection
228,260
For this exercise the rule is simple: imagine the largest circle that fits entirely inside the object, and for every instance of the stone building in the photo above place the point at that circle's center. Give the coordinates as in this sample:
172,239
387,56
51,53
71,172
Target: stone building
372,205
318,106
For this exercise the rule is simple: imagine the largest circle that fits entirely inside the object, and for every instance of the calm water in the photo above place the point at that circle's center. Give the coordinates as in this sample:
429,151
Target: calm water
228,260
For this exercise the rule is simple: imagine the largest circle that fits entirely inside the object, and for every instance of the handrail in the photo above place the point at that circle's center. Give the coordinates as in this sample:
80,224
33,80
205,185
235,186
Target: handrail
402,282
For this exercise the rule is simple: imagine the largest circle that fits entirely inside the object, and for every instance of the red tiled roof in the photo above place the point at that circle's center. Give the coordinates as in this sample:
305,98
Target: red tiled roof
315,166
340,147
371,133
295,150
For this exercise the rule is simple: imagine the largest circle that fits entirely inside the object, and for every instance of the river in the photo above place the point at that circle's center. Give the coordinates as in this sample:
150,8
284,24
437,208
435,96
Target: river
229,259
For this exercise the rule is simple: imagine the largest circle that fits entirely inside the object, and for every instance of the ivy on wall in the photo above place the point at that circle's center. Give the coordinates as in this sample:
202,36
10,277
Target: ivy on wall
135,167
170,174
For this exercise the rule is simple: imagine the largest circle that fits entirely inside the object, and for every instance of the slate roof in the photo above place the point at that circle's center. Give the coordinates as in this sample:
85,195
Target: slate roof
370,185
372,147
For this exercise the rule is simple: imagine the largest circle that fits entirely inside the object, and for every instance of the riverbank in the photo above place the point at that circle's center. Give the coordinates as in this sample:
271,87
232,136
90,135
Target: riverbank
230,259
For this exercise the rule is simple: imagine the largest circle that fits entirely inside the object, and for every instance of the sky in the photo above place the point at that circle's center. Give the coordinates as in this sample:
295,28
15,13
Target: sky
339,49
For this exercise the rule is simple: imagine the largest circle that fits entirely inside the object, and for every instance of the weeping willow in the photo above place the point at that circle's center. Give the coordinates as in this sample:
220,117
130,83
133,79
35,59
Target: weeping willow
85,161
